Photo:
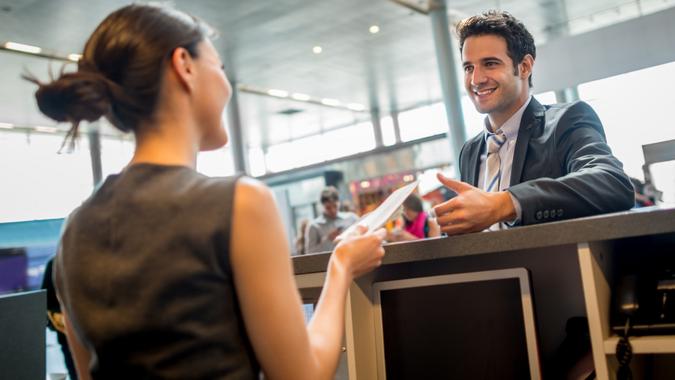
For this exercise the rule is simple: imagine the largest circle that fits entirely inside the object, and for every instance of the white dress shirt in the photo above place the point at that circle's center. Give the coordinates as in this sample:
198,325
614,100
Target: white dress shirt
510,129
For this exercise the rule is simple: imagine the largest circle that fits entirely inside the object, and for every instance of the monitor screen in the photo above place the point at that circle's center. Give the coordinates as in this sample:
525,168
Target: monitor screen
464,326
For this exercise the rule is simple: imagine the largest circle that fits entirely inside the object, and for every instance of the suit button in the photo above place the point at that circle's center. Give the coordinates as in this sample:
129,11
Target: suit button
538,215
560,212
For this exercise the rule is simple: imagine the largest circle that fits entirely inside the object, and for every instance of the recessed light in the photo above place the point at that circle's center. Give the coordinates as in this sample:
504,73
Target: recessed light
374,29
330,102
277,93
317,49
23,47
75,57
356,107
46,129
300,97
6,125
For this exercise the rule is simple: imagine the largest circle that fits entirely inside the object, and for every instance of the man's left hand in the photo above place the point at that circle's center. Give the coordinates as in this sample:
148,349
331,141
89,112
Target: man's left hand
473,209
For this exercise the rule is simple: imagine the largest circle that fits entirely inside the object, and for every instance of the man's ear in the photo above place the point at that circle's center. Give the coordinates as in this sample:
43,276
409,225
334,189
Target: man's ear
182,65
526,66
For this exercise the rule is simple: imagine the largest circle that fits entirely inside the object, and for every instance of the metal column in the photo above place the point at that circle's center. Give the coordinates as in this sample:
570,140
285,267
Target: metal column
94,137
234,125
567,95
450,84
377,126
397,127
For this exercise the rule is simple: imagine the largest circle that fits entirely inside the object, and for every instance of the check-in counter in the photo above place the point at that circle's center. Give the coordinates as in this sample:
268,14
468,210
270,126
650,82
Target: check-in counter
570,269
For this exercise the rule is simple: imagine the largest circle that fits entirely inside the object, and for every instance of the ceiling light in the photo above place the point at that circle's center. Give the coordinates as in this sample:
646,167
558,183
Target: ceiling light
317,49
356,107
300,97
6,125
23,48
46,129
330,102
277,93
75,57
374,29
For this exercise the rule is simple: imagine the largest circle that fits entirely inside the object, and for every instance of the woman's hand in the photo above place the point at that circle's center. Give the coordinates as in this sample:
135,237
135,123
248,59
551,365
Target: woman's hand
359,254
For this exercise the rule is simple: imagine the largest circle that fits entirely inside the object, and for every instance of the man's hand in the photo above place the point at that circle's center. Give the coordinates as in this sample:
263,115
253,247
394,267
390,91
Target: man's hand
334,233
473,209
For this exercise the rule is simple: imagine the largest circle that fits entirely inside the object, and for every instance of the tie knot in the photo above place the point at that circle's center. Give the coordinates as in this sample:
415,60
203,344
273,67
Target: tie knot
495,141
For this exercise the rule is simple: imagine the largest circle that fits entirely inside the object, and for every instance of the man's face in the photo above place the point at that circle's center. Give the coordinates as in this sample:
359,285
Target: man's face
490,80
330,208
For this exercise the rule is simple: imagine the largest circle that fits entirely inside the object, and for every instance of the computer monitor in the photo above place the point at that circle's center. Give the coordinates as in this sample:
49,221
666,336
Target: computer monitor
23,319
476,325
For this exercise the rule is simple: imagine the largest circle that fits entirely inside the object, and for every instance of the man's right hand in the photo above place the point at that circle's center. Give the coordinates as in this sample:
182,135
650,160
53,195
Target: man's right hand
473,209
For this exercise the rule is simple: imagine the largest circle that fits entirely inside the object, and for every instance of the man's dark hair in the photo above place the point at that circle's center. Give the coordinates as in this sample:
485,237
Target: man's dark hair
329,194
519,41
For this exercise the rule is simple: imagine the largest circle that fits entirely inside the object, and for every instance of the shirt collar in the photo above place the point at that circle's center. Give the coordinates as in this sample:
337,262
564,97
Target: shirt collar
510,126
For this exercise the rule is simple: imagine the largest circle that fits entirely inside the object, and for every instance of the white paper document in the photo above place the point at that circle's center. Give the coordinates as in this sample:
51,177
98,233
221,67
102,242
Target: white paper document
378,217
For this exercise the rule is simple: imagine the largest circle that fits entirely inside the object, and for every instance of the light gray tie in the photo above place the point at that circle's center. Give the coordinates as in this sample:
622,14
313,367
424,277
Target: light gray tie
493,172
493,164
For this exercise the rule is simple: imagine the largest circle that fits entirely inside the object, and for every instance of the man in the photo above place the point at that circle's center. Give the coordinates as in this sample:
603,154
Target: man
532,163
323,230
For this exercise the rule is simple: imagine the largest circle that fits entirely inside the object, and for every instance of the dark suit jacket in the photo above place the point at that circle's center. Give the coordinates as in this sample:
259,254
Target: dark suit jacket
562,165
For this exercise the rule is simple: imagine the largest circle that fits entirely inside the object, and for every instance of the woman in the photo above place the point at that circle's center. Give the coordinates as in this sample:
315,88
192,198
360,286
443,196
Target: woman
416,222
166,273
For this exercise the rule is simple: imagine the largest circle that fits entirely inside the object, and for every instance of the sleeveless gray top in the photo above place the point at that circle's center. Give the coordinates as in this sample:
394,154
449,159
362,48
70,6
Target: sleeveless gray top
143,270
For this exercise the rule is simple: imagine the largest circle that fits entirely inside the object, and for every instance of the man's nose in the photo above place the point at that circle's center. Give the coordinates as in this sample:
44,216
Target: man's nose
478,77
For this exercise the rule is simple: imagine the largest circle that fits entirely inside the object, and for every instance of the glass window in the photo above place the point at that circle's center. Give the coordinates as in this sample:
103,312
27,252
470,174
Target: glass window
38,182
216,163
318,148
115,154
388,134
474,122
547,97
423,121
633,109
256,161
349,140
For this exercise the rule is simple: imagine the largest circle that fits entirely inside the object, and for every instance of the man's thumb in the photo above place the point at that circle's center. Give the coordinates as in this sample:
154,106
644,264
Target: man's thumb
454,185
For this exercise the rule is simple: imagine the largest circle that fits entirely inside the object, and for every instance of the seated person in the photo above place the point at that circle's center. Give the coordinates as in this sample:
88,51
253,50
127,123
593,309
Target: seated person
164,273
416,223
322,231
532,163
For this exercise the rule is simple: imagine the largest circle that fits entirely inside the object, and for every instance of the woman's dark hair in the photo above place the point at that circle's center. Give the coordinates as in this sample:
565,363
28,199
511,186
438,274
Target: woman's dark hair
119,74
413,202
519,41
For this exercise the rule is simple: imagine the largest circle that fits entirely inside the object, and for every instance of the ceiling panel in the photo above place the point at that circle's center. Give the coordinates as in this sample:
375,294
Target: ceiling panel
268,44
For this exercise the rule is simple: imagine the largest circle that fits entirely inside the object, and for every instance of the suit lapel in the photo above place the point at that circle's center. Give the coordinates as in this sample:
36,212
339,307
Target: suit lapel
474,162
532,117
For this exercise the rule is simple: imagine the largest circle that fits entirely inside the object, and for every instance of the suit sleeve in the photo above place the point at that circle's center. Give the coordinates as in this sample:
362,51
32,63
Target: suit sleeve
594,182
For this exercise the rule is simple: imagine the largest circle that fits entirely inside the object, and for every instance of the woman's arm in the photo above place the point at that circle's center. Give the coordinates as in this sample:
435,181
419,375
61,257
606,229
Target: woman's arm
270,302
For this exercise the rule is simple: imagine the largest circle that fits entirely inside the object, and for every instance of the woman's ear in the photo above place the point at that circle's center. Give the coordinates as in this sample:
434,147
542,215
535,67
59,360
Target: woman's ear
182,65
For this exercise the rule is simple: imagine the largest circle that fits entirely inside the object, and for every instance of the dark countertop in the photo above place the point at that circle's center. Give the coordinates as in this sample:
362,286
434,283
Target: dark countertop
636,222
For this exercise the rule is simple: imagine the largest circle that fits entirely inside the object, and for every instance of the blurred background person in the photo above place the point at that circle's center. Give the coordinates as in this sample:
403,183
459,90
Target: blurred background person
416,222
321,233
300,238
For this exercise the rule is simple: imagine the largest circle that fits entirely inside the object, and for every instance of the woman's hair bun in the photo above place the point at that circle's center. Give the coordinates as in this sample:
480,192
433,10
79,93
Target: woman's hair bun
74,97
